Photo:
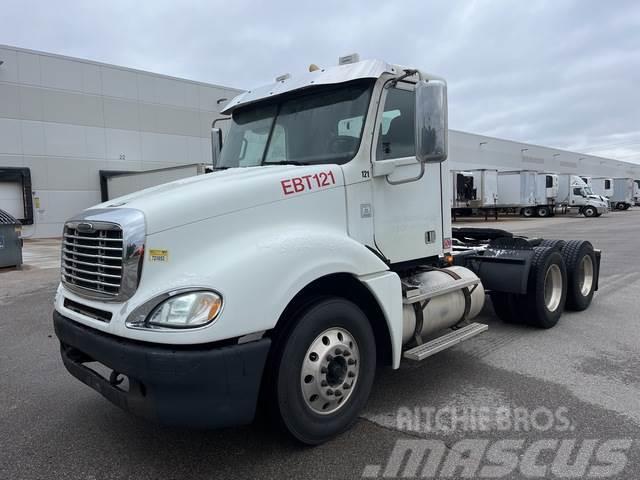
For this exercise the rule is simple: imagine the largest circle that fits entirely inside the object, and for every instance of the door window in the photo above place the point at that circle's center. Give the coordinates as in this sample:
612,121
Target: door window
396,138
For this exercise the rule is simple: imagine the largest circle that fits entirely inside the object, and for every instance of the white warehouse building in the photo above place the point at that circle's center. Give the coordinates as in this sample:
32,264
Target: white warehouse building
65,122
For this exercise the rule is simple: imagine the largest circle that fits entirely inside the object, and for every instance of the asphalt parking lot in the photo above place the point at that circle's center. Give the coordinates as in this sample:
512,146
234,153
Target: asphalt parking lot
52,426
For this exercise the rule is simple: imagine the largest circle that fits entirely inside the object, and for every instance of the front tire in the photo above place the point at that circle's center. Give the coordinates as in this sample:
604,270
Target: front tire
589,211
325,370
580,259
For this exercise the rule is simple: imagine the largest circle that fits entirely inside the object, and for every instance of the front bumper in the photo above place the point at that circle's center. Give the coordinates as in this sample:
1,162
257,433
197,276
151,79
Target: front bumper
191,386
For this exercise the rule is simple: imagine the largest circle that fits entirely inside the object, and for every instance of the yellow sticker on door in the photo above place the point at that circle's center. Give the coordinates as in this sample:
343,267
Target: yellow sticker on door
157,255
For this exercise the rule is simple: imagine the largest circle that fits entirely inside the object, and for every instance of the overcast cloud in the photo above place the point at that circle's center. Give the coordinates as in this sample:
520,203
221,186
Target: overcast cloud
557,73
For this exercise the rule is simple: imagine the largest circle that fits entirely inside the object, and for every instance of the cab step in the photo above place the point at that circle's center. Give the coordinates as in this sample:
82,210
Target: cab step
445,341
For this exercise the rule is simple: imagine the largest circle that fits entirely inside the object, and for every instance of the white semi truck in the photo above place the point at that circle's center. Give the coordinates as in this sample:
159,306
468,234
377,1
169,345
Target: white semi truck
573,192
319,249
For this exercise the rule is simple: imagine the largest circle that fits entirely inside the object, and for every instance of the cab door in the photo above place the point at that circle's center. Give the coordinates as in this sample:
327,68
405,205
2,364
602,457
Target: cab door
408,216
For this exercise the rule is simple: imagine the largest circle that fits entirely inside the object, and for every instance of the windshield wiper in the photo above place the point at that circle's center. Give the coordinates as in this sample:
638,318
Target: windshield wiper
284,162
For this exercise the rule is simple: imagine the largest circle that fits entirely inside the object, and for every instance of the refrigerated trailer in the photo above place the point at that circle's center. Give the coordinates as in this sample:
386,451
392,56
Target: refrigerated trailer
526,192
286,276
546,194
623,189
573,192
474,191
603,187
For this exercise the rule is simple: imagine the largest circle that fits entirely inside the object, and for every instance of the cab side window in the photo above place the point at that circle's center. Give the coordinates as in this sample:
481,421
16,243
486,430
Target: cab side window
396,138
577,191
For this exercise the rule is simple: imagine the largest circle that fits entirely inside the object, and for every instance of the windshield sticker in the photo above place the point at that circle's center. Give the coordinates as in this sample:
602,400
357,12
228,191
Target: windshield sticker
307,182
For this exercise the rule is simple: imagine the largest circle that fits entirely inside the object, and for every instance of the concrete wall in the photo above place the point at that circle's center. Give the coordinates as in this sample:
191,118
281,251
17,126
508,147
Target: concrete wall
67,119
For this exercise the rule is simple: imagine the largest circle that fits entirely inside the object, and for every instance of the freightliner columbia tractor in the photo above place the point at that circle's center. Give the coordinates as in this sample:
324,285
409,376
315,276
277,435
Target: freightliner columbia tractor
319,249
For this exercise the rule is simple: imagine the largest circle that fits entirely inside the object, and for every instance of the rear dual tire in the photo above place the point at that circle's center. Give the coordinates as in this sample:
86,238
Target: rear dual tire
540,306
580,258
545,299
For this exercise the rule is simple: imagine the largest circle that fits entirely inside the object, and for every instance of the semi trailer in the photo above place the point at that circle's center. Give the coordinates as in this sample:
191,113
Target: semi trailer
527,192
546,194
623,189
573,192
602,186
320,248
474,191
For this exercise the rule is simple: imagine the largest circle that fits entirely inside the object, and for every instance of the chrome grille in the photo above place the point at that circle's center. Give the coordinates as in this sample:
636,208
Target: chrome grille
92,257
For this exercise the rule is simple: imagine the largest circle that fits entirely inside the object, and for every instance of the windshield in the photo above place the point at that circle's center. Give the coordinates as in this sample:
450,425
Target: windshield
322,126
588,190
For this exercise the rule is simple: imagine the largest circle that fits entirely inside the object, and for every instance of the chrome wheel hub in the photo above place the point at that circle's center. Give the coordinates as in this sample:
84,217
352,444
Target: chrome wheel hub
585,275
330,371
553,288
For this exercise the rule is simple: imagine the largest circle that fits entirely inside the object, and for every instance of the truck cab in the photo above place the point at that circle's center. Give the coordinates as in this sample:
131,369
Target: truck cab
574,192
319,248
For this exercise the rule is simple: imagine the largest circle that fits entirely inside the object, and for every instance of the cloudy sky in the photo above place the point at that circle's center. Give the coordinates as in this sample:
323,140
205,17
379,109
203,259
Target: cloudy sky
557,73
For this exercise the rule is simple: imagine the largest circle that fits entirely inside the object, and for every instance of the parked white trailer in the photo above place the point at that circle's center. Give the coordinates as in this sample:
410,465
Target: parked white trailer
474,188
522,191
623,189
299,265
603,187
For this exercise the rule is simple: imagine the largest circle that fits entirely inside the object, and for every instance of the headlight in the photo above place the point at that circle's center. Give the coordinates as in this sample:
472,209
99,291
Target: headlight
178,309
187,310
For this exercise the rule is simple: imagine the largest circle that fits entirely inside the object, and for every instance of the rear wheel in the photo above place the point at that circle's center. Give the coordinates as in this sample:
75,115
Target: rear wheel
528,212
553,243
625,206
325,369
580,259
543,211
544,301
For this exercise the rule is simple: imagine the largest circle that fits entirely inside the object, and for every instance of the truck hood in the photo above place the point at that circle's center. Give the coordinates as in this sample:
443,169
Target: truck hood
598,198
222,192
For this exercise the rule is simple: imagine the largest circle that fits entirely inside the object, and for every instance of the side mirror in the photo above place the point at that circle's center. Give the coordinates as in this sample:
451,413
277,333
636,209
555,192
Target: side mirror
216,145
431,121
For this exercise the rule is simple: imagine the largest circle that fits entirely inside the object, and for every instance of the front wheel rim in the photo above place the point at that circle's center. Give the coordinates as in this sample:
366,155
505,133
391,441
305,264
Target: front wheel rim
330,371
585,275
553,288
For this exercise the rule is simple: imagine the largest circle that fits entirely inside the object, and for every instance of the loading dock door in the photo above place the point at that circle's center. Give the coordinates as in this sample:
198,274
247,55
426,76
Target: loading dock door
11,199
